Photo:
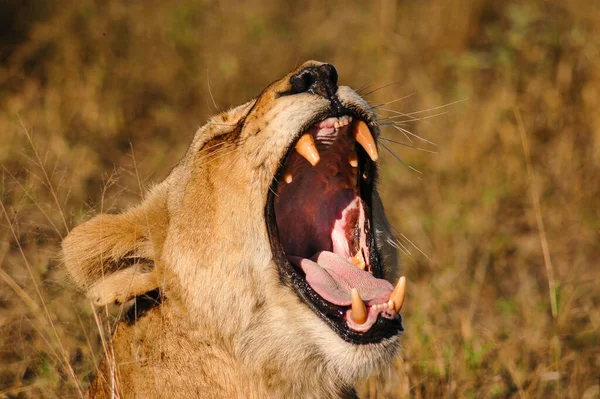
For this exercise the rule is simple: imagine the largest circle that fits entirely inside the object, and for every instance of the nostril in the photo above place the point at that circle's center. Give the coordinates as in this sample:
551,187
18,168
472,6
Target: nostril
302,81
320,79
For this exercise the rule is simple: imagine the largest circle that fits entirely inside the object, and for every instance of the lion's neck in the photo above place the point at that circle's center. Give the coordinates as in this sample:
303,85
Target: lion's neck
163,351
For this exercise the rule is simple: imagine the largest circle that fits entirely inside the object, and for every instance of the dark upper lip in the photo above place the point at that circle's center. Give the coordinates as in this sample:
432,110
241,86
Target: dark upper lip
332,315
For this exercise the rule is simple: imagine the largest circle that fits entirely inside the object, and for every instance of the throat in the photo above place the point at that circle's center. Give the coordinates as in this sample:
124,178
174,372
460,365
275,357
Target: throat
321,220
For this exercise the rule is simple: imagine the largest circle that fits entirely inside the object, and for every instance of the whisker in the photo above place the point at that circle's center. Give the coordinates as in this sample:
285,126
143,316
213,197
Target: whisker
401,161
388,121
399,246
438,107
403,130
380,88
400,114
274,193
407,145
411,243
411,118
361,88
404,133
373,107
210,91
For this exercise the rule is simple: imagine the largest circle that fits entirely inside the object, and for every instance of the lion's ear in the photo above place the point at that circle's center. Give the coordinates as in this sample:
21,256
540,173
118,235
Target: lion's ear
113,257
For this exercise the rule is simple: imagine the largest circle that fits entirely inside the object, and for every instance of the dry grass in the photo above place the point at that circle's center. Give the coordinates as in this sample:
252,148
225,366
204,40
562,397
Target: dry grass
500,227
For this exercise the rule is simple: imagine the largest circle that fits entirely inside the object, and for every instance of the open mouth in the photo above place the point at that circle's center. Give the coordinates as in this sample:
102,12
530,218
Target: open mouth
320,227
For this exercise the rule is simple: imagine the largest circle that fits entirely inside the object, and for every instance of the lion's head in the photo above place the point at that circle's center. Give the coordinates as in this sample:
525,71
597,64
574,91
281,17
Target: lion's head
266,233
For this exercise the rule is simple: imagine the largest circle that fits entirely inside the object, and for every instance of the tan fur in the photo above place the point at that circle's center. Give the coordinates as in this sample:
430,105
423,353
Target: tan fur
227,327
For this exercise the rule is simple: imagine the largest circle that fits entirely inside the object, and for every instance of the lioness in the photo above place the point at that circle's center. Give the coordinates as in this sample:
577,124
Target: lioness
266,253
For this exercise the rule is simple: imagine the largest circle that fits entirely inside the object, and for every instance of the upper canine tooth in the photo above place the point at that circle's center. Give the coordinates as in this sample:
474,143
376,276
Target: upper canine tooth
399,294
359,310
363,136
307,148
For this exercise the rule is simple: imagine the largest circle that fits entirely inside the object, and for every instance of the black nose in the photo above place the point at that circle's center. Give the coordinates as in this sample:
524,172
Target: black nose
321,79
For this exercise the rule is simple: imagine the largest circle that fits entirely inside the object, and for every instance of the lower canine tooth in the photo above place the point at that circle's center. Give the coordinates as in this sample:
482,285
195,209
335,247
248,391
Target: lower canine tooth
359,310
287,176
307,148
399,294
363,136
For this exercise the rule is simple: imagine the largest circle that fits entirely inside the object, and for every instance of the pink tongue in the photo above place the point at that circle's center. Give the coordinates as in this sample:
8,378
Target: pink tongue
333,278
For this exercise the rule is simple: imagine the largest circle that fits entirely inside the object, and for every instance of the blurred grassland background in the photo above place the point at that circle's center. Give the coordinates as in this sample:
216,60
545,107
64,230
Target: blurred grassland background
499,230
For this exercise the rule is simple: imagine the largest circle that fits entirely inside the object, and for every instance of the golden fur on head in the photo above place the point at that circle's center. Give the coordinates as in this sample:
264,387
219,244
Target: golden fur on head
227,326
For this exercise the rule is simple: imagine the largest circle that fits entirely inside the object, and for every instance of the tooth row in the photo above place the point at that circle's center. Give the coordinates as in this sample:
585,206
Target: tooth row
342,121
307,148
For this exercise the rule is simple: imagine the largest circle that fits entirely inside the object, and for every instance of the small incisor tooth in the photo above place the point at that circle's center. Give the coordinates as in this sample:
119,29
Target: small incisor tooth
307,148
363,136
399,294
359,310
358,260
287,176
